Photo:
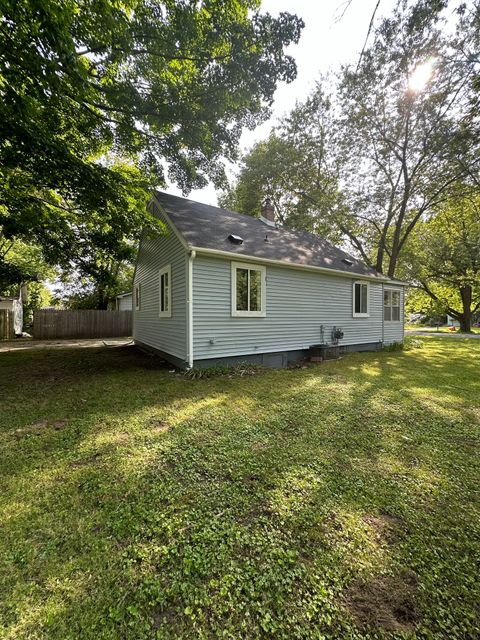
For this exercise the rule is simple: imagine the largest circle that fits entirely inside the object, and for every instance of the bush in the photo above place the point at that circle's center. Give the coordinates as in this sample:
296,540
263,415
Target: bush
394,346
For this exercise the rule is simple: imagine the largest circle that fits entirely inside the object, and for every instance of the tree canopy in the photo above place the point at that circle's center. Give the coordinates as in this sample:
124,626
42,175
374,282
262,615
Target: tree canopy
443,256
90,88
397,132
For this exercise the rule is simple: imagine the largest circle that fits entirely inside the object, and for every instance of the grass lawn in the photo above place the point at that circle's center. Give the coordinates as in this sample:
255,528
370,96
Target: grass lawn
337,501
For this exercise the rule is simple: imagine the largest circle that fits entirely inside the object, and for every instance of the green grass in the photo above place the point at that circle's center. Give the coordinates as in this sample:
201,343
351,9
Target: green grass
337,501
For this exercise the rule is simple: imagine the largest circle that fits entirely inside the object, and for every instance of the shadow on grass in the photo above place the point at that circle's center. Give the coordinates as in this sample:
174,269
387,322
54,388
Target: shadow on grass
242,506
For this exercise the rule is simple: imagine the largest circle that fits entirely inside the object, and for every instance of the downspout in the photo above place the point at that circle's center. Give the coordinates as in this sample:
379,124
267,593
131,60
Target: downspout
191,258
383,314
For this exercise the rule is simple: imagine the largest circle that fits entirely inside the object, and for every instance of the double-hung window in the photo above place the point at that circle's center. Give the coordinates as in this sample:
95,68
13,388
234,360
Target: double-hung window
361,308
391,305
248,290
165,292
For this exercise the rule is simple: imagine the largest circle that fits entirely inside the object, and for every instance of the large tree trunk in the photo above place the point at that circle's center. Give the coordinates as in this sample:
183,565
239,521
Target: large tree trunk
466,317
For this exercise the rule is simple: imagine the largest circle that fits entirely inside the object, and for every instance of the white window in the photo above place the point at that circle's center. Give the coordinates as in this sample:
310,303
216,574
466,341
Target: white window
391,305
248,290
165,292
137,296
361,306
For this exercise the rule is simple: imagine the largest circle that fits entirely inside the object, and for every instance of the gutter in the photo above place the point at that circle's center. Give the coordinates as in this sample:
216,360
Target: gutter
191,258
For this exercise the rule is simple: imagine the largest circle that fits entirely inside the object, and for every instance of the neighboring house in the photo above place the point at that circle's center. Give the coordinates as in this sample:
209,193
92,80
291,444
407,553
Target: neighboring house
219,286
124,301
15,307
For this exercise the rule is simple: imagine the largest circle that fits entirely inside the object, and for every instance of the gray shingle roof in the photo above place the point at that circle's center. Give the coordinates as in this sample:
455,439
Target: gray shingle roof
207,227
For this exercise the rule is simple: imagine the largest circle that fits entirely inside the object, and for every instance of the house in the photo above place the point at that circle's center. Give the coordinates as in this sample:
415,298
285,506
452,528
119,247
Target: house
123,302
453,322
222,287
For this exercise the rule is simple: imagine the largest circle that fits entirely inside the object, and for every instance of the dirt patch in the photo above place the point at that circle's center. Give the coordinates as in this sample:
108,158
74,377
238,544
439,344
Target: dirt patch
59,424
39,425
386,602
159,426
386,528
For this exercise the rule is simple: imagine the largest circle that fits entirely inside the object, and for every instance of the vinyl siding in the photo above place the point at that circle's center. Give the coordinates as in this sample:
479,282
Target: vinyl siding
166,334
393,331
124,303
298,302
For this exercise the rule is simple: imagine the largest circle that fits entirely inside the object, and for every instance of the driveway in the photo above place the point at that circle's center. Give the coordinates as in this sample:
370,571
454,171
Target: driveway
22,343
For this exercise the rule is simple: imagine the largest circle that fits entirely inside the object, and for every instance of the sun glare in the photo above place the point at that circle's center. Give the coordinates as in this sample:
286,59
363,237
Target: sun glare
420,76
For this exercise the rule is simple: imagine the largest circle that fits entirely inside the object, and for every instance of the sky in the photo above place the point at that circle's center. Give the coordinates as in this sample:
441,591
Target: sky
328,40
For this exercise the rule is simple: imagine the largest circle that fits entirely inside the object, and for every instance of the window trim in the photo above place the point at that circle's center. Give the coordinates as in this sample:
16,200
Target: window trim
391,290
167,269
263,297
354,313
137,293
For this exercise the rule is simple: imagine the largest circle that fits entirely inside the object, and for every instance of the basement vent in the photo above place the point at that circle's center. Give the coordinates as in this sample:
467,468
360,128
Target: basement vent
235,239
347,261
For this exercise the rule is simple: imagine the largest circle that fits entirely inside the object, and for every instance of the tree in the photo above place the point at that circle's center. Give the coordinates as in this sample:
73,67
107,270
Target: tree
24,263
88,88
98,290
295,167
383,151
443,256
402,129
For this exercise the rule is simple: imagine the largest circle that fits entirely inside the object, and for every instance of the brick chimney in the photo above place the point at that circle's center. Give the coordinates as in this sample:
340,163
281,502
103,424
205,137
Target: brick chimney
268,213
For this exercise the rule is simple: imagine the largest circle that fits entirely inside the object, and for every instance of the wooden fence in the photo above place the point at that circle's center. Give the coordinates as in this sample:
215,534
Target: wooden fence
50,324
7,331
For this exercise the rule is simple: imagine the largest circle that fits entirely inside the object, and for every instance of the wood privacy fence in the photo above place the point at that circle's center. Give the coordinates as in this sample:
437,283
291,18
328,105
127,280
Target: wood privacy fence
49,324
7,331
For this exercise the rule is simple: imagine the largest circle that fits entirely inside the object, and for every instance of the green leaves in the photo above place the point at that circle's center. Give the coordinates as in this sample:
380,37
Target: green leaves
92,89
443,256
295,167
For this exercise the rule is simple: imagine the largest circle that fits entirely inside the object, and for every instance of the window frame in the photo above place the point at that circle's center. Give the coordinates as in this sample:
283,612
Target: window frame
391,290
263,293
356,314
166,270
137,294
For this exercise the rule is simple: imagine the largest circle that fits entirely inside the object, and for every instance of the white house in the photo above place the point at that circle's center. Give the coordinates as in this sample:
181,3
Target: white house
219,286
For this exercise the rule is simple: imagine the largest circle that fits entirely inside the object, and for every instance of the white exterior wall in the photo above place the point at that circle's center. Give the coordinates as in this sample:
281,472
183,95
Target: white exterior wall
298,302
165,334
124,303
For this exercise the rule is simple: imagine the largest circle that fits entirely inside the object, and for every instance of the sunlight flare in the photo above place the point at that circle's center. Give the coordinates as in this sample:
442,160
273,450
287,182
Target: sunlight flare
421,76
